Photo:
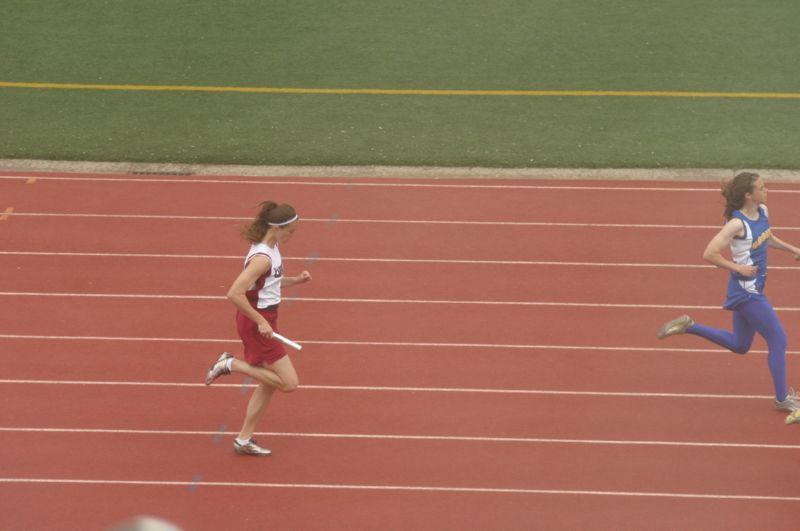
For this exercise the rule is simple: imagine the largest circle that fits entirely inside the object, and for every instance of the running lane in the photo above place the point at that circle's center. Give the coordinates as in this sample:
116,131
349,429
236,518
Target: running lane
422,399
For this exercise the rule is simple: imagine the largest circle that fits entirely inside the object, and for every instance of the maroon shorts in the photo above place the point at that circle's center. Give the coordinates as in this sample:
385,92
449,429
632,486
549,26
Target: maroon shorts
259,350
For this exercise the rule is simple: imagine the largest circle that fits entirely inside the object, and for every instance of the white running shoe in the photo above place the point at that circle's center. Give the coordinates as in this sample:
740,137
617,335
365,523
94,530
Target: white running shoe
251,447
219,368
791,403
678,325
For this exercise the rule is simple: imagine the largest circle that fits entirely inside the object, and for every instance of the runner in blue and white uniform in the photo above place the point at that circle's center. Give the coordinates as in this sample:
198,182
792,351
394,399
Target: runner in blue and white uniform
748,235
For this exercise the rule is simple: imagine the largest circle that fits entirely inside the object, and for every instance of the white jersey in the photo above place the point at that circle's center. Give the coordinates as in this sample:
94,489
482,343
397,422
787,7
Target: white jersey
266,290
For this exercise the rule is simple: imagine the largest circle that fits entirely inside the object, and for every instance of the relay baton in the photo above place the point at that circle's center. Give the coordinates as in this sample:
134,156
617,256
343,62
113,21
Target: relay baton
286,341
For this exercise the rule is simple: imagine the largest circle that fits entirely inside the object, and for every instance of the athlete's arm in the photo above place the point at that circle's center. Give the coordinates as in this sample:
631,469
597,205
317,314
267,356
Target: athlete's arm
720,242
777,243
237,294
305,276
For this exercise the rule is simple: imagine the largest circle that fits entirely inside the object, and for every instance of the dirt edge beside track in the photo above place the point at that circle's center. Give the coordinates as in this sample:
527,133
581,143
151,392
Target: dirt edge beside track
427,172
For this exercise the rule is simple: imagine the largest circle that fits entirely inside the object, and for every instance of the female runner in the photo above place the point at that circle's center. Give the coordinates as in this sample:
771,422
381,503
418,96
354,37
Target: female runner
748,234
256,294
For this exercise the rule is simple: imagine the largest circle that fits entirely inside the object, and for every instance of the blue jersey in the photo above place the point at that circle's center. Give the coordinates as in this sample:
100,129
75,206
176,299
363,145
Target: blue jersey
749,249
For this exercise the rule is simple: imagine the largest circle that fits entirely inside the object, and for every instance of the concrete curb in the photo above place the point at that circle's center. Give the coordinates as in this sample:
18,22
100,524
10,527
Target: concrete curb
424,172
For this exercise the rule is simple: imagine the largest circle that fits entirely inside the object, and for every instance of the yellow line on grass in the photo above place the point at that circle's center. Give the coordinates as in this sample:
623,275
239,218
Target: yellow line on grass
408,92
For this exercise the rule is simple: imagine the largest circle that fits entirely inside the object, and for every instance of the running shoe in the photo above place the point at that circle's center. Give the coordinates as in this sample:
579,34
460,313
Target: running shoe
791,403
676,326
219,368
251,447
793,418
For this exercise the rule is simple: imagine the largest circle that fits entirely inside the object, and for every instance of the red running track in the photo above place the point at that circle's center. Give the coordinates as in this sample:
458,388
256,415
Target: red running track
478,355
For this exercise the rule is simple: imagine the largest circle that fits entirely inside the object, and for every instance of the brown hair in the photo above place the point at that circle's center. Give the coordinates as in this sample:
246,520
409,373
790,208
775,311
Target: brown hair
271,212
735,189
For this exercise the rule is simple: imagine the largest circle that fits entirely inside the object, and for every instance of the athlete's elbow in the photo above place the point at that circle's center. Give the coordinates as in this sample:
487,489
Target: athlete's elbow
233,295
710,257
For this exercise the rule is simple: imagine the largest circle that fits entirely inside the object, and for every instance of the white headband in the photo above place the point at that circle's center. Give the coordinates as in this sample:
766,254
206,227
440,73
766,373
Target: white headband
284,223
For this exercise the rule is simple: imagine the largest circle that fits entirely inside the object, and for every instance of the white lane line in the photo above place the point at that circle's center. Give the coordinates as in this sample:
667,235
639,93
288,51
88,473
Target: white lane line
377,260
397,488
419,344
380,260
392,221
386,221
417,302
398,437
129,255
49,295
380,221
348,259
118,295
466,390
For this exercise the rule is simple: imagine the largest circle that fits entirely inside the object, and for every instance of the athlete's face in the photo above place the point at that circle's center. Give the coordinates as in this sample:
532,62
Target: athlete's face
285,234
759,193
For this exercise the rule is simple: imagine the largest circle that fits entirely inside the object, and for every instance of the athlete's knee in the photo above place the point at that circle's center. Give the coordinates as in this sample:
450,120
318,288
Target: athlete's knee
741,348
289,384
741,345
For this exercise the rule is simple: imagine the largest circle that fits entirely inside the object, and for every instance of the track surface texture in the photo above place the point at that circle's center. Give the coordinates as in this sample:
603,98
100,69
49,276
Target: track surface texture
478,354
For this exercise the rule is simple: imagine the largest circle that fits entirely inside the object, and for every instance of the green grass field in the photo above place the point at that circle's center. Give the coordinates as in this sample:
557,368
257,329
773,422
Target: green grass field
672,46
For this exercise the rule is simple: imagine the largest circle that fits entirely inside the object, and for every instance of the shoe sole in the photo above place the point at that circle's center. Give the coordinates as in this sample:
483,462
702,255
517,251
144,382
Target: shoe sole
245,452
680,326
254,455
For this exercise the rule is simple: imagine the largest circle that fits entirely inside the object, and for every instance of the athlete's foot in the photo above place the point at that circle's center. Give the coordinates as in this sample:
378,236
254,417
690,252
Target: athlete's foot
250,447
791,403
675,327
219,368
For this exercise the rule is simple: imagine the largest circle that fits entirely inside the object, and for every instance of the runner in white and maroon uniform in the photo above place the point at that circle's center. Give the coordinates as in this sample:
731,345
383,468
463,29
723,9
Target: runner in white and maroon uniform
256,294
264,295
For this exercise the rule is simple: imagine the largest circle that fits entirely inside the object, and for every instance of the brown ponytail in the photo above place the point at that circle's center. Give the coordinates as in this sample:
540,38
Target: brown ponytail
271,212
734,191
